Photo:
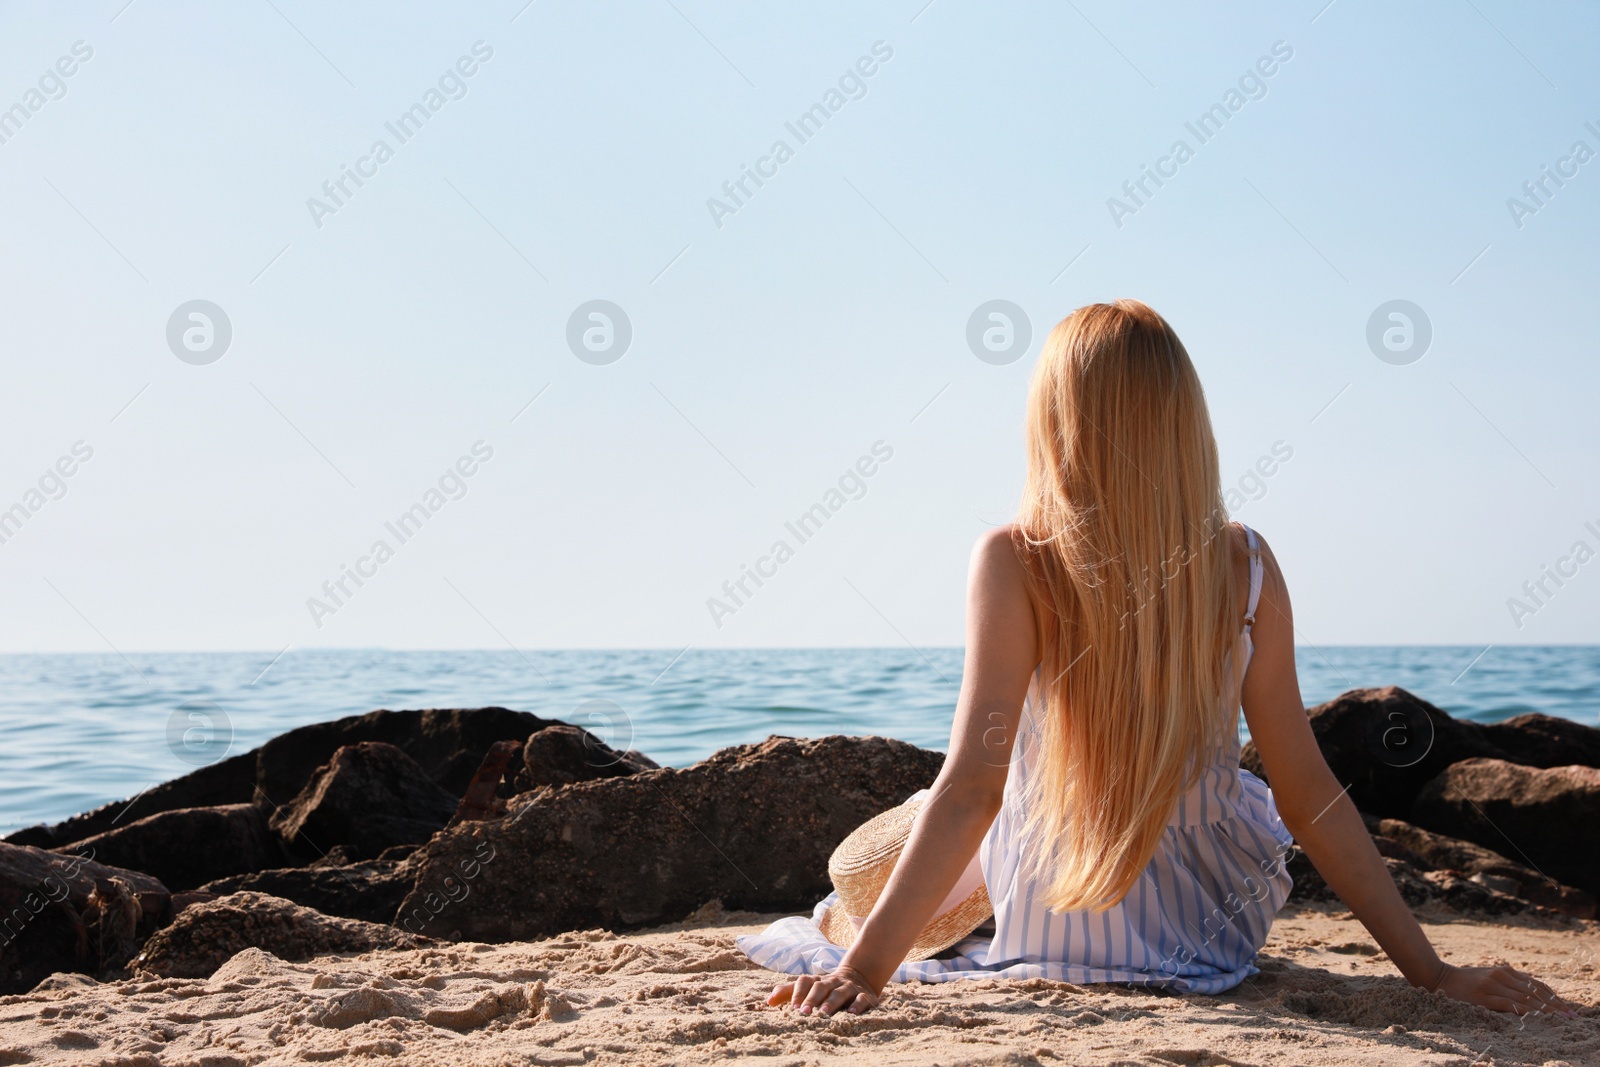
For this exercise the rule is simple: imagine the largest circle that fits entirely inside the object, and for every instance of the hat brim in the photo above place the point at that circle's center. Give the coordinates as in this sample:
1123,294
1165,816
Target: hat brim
945,930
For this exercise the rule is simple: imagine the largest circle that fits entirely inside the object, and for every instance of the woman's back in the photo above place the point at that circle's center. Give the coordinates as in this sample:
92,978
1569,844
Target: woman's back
1193,918
1202,905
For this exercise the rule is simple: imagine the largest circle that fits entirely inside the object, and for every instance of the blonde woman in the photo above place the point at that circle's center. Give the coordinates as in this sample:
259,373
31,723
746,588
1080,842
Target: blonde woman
1093,772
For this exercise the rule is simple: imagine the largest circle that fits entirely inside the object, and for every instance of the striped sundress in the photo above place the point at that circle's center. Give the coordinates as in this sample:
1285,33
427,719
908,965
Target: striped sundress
1193,921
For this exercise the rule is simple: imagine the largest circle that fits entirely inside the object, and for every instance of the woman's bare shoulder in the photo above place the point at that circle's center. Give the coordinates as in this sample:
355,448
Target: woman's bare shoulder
997,570
1000,600
1239,543
996,554
1274,589
1242,549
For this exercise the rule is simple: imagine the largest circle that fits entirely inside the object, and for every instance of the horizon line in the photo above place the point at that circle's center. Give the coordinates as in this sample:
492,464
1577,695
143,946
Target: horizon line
691,648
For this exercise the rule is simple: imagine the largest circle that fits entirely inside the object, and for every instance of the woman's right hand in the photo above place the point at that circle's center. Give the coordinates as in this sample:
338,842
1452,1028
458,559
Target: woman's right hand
1501,988
845,989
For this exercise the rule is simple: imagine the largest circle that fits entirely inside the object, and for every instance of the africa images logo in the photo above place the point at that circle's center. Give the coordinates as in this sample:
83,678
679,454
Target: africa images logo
199,332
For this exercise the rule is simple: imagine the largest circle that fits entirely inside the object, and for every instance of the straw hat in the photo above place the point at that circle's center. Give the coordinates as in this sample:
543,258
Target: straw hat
860,867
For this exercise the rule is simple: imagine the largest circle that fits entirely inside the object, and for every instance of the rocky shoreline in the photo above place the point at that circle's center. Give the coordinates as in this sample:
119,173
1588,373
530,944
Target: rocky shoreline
410,829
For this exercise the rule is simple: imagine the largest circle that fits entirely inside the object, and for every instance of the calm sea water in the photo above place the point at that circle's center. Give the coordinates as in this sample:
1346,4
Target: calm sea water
81,730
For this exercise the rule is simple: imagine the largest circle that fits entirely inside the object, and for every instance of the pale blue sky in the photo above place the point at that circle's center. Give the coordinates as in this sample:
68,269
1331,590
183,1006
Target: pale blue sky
771,352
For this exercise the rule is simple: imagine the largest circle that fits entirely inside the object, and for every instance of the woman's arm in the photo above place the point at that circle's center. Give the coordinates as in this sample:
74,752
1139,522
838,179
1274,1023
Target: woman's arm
1325,823
1002,651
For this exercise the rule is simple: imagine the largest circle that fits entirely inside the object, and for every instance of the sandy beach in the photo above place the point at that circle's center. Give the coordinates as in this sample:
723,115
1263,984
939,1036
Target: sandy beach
591,913
682,994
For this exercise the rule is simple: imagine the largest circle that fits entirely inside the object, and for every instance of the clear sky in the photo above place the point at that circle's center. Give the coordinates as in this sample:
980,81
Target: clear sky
557,154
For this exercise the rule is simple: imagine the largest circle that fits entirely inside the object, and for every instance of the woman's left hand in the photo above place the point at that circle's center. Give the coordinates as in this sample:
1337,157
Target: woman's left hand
844,989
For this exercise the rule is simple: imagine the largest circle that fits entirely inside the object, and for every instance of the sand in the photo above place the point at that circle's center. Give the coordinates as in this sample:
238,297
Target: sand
685,995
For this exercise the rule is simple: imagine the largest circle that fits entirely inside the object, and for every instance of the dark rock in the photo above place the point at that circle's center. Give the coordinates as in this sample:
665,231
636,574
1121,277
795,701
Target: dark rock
69,913
753,826
189,846
230,781
562,755
397,852
371,890
1386,744
1484,866
1539,815
482,799
447,743
1468,895
368,797
1419,885
1535,740
205,936
1392,849
1430,868
336,856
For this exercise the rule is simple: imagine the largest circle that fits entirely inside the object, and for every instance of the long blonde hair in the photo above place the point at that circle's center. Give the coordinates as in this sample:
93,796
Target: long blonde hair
1122,529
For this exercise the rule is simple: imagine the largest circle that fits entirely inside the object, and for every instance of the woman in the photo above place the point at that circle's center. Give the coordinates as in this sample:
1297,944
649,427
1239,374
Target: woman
1093,772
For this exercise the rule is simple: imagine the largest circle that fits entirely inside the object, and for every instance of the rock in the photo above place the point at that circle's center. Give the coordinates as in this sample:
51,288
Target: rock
1540,815
69,914
752,825
1419,885
368,797
1431,868
1535,740
371,890
189,846
1486,867
1386,744
562,755
204,937
482,799
448,743
230,781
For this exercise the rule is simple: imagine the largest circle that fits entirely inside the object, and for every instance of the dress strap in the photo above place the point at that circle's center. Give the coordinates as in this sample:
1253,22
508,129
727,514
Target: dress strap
1257,572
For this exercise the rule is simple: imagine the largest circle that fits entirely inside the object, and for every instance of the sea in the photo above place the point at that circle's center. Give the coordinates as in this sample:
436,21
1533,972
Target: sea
80,730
